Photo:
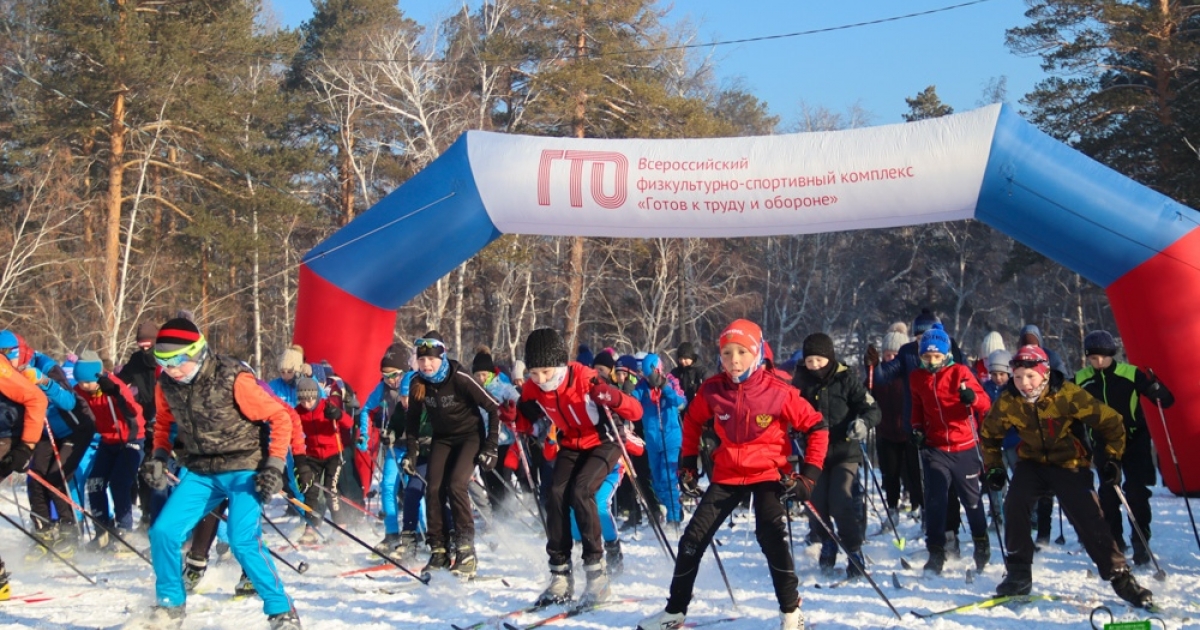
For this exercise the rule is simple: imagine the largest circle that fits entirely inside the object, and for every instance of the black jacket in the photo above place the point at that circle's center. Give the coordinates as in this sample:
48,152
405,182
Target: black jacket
140,372
840,399
690,378
452,407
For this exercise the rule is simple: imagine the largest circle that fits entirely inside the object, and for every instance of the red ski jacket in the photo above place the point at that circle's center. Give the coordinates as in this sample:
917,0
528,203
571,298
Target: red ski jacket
573,411
116,418
752,419
322,436
937,407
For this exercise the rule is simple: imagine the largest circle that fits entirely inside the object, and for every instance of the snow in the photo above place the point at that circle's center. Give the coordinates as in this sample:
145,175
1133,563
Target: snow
512,558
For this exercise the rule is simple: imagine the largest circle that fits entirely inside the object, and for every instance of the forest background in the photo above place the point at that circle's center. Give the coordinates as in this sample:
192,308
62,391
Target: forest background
158,155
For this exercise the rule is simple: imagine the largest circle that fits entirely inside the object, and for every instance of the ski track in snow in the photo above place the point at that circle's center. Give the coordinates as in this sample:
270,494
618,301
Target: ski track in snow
512,551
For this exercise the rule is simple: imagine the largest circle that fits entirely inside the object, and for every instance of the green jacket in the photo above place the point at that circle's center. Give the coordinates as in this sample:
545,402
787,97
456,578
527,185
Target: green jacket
1052,429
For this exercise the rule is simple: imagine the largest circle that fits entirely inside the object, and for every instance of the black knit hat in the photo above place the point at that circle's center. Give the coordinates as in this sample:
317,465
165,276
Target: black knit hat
819,345
483,362
396,356
685,351
606,359
1100,342
431,350
545,348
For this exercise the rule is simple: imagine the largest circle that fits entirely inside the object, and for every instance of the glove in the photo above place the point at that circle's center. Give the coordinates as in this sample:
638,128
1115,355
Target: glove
18,457
363,442
1155,390
332,411
531,410
605,395
268,481
689,477
1110,474
966,395
154,473
304,472
918,438
996,479
386,440
857,430
107,386
799,487
133,446
872,358
409,463
487,457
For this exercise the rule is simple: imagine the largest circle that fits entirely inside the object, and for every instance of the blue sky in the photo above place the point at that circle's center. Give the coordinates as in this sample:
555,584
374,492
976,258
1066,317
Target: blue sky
875,66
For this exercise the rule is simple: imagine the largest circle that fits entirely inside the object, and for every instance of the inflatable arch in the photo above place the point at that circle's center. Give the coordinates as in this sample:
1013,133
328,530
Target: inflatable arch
988,164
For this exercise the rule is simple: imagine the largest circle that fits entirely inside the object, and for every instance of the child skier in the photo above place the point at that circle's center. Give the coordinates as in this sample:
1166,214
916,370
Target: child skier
1050,413
753,412
946,403
322,421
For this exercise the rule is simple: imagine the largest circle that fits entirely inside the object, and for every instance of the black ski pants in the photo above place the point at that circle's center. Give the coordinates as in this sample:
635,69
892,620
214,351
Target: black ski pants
576,478
770,529
899,466
45,464
834,498
451,466
1076,495
326,472
1139,473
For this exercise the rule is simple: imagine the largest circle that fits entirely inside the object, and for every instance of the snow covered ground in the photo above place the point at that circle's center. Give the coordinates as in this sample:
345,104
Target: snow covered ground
513,571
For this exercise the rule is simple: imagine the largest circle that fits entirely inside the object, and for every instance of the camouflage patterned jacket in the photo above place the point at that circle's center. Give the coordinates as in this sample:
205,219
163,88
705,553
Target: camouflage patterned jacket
1052,430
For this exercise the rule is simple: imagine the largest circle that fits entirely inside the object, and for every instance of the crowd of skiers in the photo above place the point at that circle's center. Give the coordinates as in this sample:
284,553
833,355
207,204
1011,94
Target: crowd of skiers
195,438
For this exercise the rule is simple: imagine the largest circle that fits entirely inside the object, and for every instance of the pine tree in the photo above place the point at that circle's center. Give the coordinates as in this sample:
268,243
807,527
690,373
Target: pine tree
926,104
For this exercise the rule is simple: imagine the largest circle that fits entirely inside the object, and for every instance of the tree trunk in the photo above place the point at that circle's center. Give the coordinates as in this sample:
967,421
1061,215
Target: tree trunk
112,232
575,299
346,176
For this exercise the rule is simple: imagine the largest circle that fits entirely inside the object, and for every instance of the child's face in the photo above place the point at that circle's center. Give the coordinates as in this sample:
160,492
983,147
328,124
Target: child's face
482,376
603,371
814,362
1028,380
429,365
933,359
888,355
736,358
1000,378
1099,361
541,375
685,362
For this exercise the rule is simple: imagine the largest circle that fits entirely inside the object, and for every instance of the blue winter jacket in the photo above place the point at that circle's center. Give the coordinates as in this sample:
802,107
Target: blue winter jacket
660,420
62,399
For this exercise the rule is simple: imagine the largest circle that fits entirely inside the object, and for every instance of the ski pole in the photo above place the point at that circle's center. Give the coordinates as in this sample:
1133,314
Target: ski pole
62,474
1178,471
1159,574
1062,536
854,559
991,504
335,497
519,442
48,548
100,524
724,576
423,578
899,542
653,517
275,527
300,568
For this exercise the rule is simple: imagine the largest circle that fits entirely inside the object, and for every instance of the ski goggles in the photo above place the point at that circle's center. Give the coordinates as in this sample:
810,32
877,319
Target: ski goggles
12,354
388,376
1028,364
176,358
429,343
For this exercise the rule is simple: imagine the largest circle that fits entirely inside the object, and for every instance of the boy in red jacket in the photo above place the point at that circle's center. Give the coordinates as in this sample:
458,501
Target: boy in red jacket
752,413
322,422
947,403
577,402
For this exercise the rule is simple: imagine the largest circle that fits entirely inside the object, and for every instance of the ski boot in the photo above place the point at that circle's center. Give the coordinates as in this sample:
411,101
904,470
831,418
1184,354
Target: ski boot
285,621
45,539
465,563
597,589
66,541
1127,587
438,560
5,589
388,545
406,549
1019,581
309,537
937,560
613,558
791,620
103,539
983,551
193,571
244,587
663,621
828,558
855,565
562,586
159,618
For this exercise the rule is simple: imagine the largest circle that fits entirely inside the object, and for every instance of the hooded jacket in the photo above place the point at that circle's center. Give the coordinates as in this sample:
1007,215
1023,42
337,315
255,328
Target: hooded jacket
1052,429
322,436
937,408
118,418
22,406
660,407
453,407
753,420
570,407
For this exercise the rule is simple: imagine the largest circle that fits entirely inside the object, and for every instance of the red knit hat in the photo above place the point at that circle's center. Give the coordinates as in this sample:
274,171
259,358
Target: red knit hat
1032,354
744,333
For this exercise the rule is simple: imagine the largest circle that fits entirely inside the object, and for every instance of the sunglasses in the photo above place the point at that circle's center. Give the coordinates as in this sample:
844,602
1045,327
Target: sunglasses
1025,363
428,343
387,376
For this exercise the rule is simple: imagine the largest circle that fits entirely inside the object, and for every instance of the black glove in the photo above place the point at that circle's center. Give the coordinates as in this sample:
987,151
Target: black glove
268,481
799,487
689,476
1110,473
918,438
332,411
487,457
1157,392
154,473
107,386
531,410
409,463
966,395
872,358
996,479
18,457
304,472
857,430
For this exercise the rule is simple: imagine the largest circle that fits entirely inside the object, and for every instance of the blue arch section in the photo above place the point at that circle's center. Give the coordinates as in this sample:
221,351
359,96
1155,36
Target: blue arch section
1074,210
415,235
